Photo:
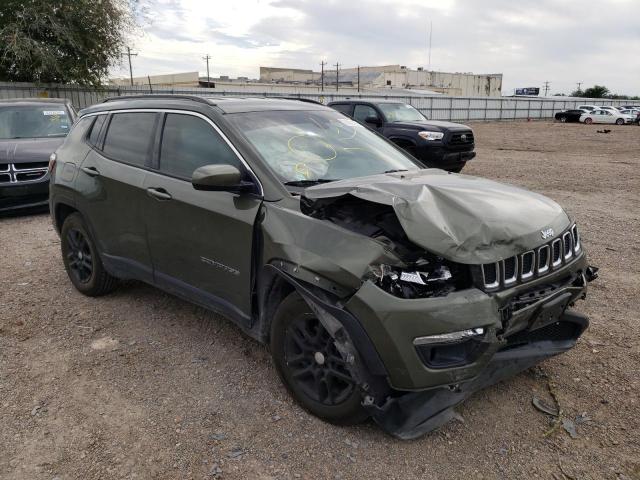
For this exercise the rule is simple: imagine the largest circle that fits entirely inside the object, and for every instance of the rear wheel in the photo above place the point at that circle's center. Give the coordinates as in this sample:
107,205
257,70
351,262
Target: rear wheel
619,121
588,121
81,259
310,365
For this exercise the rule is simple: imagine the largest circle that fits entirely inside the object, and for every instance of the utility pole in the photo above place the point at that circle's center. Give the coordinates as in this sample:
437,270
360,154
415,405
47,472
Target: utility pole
430,33
358,78
207,57
546,88
129,54
322,64
337,73
579,83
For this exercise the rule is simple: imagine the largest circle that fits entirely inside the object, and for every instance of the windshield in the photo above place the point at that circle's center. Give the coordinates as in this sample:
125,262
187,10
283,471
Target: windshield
33,121
307,146
400,112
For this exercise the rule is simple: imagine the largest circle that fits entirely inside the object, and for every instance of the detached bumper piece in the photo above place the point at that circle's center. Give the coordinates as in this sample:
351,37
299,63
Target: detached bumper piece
413,414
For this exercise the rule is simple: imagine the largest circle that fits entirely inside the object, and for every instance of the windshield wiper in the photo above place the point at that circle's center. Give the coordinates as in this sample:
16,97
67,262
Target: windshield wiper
397,170
307,183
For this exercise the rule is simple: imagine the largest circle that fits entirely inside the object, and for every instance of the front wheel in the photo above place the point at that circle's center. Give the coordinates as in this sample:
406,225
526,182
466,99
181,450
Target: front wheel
81,259
310,365
588,121
619,121
563,119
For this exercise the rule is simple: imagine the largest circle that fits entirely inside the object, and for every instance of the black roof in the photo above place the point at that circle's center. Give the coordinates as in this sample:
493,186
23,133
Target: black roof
223,104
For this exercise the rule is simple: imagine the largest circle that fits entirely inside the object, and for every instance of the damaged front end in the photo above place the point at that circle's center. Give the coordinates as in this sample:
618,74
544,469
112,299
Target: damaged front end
442,326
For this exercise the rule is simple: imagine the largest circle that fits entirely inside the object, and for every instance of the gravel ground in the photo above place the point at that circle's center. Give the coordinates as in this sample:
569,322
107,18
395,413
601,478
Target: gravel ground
139,384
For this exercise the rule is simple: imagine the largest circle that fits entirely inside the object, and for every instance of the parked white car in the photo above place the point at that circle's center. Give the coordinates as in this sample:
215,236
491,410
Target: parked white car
610,108
588,108
605,116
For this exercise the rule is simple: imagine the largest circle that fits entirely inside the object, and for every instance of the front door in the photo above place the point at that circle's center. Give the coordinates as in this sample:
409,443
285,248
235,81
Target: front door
362,113
201,242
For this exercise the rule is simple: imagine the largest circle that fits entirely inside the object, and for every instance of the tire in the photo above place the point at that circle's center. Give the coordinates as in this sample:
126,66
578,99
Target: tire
563,119
81,259
619,121
311,367
588,121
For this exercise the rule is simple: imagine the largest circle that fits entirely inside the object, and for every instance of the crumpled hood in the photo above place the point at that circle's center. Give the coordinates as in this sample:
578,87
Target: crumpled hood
459,217
28,149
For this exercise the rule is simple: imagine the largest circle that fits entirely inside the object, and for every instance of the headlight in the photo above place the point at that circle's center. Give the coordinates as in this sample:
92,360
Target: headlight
432,279
431,135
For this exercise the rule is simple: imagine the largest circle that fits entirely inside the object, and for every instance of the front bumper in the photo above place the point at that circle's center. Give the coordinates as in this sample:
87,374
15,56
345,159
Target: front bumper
414,414
393,323
25,195
443,157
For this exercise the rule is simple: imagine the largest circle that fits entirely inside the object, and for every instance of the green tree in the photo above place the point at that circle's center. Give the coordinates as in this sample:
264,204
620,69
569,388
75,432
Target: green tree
597,91
63,41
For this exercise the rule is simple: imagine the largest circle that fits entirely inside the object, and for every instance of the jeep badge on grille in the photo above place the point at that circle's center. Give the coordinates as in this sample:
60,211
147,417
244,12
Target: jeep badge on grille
546,233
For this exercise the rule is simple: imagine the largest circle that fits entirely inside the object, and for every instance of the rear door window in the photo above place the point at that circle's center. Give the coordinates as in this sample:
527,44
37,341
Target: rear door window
188,143
129,137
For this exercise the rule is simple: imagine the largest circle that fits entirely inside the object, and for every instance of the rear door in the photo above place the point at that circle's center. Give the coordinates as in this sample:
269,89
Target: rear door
111,193
201,242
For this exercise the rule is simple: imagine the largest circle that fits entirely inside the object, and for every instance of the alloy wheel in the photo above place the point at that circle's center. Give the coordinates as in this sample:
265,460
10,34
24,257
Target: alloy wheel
79,256
315,363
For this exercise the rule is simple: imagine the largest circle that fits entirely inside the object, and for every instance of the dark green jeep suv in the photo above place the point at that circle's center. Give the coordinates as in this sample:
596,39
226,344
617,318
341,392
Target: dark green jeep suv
383,289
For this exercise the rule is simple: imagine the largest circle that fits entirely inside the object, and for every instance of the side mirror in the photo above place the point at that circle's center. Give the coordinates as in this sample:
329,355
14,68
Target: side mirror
219,178
373,120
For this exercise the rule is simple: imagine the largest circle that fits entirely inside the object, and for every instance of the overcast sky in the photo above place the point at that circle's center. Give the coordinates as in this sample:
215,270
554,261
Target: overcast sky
562,41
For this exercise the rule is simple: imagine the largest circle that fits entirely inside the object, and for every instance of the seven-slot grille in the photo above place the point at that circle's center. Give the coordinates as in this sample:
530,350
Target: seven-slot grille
534,263
22,172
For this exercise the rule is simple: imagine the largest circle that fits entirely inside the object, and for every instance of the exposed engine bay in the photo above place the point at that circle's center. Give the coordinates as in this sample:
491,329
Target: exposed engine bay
423,274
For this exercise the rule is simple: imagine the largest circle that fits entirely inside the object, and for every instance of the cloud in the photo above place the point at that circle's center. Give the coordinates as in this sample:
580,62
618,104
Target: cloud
560,41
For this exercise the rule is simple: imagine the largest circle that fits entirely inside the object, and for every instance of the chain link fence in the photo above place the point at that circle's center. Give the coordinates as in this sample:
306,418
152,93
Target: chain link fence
437,107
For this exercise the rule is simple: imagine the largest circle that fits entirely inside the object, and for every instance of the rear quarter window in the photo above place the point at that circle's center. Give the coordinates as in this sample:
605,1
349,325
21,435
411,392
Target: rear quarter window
343,108
79,129
95,130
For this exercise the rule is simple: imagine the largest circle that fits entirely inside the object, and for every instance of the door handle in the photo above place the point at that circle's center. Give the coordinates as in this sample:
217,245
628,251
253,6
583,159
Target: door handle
159,193
91,171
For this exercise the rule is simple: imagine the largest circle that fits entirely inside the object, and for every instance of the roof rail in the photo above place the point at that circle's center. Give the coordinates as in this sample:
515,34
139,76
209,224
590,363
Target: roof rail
308,100
194,98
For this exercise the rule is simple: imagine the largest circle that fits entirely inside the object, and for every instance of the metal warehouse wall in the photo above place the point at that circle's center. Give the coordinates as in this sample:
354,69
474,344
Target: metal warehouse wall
434,107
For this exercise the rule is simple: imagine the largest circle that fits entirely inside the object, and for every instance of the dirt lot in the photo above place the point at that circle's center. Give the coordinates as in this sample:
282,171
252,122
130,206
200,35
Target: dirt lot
139,384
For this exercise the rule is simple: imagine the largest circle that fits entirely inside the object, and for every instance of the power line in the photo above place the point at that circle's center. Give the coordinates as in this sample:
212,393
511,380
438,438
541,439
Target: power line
337,73
207,57
546,88
129,54
322,64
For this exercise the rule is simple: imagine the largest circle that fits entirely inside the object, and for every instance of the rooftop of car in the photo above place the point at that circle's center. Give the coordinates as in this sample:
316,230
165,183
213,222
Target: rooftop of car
223,104
41,101
357,100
